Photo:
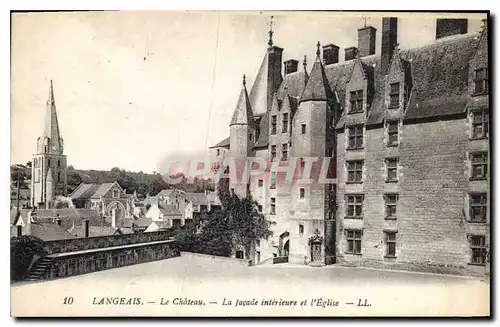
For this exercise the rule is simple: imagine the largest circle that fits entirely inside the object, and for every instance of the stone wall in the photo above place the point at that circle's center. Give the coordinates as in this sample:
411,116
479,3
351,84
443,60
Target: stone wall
79,244
431,226
82,263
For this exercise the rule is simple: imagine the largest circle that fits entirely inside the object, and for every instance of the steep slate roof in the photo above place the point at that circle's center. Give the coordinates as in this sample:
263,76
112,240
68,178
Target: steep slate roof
439,75
90,191
243,112
317,87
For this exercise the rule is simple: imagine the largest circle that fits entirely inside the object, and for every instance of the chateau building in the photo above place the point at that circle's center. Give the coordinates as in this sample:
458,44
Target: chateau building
407,132
49,168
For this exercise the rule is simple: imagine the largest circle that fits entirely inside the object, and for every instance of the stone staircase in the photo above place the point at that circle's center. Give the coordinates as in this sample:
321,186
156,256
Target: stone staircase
39,268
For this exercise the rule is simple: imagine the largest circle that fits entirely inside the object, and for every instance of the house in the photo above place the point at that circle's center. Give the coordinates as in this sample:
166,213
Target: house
108,198
164,216
406,133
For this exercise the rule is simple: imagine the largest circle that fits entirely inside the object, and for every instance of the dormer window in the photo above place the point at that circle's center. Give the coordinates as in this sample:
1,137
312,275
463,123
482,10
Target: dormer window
273,124
356,100
285,123
481,81
394,96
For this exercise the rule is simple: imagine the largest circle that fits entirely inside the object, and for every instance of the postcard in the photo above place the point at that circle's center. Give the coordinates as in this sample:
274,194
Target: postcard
250,164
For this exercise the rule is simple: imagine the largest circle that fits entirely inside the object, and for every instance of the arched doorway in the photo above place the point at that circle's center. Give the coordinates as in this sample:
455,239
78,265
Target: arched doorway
284,246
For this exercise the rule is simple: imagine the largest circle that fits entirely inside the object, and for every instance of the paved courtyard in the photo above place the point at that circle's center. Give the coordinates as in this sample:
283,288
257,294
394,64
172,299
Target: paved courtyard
219,281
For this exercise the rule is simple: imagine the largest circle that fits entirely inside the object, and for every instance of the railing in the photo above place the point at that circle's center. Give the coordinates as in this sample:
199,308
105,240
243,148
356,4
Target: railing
79,244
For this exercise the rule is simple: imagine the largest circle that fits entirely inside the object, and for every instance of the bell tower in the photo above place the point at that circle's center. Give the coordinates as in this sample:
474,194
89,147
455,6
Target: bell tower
49,166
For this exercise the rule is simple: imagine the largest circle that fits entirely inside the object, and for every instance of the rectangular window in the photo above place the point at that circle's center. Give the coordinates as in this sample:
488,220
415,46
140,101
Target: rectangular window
478,249
302,163
478,207
479,165
355,171
391,201
354,206
355,137
261,183
272,176
303,128
392,133
58,163
353,238
218,152
394,95
481,81
302,193
390,244
273,206
284,152
356,100
480,124
392,169
285,123
259,207
48,162
273,124
273,152
116,193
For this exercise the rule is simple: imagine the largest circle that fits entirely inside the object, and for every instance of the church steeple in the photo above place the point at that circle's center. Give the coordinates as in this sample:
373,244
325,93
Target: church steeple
49,168
51,141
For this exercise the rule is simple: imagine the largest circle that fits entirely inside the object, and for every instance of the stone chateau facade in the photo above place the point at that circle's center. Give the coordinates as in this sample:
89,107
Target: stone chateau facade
408,134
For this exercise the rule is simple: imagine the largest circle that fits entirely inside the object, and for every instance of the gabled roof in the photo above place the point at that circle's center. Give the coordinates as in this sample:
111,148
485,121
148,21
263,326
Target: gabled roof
317,87
438,74
69,217
91,191
243,112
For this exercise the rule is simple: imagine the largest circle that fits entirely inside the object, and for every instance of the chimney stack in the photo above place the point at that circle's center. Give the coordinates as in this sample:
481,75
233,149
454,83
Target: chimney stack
389,41
350,53
86,226
450,26
291,66
330,54
366,41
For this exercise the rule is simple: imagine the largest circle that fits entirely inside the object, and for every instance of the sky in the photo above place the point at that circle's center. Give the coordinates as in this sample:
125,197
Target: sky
132,88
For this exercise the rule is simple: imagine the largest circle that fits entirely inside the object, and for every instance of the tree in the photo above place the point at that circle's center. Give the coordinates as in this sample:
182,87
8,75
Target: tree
238,223
22,251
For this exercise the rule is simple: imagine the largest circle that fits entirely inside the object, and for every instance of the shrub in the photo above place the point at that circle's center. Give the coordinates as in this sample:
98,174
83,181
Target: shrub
22,250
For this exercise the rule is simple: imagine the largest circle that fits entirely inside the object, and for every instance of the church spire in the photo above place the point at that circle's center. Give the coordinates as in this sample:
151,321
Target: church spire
52,141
